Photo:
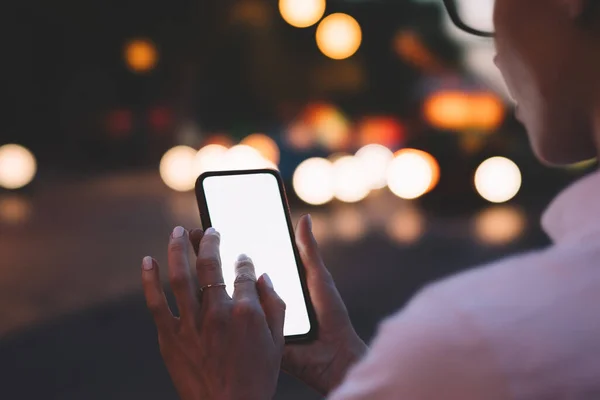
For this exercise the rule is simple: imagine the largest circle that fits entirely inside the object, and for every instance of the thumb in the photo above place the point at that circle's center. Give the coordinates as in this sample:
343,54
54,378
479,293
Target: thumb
309,251
322,289
273,307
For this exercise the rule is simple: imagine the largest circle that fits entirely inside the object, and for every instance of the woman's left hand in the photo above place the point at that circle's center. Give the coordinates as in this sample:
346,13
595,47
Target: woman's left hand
219,347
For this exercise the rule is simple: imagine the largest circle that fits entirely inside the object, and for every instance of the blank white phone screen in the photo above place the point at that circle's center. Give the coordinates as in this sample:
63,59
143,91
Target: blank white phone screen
248,212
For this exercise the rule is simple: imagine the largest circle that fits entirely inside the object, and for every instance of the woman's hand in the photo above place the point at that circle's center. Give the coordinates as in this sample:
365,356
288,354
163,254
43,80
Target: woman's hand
323,363
219,347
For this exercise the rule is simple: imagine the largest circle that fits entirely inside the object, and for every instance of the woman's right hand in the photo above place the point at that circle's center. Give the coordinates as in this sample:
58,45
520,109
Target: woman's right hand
323,363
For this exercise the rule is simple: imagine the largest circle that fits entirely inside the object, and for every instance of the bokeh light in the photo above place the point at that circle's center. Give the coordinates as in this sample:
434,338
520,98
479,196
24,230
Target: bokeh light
386,131
17,166
313,181
241,157
160,119
412,174
302,13
176,168
376,160
15,209
406,226
499,225
456,110
410,47
209,158
351,182
119,123
141,55
220,139
487,112
338,36
498,180
300,136
331,128
348,223
264,145
448,110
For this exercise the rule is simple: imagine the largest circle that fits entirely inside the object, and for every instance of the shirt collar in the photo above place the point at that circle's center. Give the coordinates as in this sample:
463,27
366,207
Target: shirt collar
575,213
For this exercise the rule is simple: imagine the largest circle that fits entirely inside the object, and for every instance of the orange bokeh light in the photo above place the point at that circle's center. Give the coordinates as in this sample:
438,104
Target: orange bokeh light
141,55
220,139
322,124
458,110
331,127
264,145
386,131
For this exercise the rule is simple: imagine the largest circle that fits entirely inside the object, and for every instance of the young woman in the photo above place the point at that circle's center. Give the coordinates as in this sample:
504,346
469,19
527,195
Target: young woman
524,328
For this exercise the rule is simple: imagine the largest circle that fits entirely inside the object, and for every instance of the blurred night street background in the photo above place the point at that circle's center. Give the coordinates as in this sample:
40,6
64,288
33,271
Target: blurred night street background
388,125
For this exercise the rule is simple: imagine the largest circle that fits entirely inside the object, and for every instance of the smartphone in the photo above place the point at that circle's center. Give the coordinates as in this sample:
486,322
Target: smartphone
250,211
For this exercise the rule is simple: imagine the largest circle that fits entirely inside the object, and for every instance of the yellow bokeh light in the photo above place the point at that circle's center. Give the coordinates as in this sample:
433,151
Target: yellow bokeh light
242,157
406,226
376,160
15,210
339,36
302,13
141,55
313,181
498,180
348,223
499,225
176,168
412,174
264,145
351,182
17,166
209,158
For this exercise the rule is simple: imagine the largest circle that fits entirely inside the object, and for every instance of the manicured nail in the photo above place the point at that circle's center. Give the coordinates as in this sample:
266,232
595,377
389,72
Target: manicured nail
267,280
147,263
178,232
309,218
210,231
243,258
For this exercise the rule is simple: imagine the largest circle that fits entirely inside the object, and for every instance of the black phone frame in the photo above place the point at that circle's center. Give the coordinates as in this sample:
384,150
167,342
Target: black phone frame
311,335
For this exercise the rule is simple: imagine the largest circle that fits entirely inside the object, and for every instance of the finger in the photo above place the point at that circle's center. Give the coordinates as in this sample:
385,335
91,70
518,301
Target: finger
155,296
273,307
245,279
180,276
309,250
195,238
208,267
322,289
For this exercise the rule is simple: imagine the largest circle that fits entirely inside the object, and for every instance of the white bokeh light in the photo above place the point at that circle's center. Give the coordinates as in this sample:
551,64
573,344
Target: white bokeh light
498,180
351,181
376,160
242,157
17,166
410,174
313,181
209,158
301,13
176,168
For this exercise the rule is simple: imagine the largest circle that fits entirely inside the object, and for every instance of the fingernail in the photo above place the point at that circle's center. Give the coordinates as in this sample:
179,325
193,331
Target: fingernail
178,232
147,263
210,231
267,280
243,258
309,218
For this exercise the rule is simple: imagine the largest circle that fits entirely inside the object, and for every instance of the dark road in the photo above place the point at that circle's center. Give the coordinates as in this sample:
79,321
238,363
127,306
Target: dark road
73,323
